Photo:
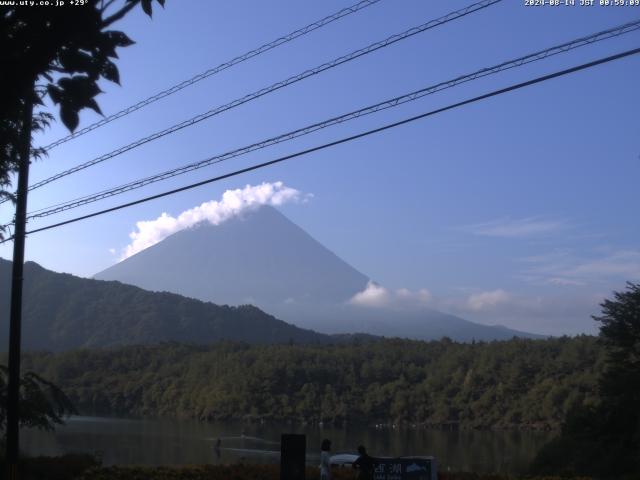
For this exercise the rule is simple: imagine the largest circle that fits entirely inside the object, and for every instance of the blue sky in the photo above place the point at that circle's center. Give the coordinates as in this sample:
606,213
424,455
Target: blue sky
519,210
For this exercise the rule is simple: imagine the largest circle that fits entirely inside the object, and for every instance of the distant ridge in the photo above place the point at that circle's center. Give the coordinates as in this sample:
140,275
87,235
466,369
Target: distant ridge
62,312
263,258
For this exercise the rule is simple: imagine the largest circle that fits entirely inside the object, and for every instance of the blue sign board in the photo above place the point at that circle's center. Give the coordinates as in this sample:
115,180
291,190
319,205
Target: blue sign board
404,468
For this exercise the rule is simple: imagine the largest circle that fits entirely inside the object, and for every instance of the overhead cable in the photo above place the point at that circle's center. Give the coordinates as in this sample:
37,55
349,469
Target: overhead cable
367,133
276,86
393,102
212,71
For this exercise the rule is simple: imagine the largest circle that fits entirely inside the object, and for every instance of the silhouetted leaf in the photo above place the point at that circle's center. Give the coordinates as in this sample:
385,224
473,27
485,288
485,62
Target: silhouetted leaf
77,61
93,105
120,39
69,117
37,100
79,88
107,44
110,72
146,6
55,93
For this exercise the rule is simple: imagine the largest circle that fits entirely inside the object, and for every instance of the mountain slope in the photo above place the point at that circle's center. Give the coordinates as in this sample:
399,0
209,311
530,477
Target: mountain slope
264,259
421,324
261,257
62,311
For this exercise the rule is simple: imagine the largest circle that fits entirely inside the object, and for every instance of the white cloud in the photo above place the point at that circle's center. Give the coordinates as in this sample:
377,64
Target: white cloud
556,314
567,269
487,300
508,228
564,282
233,203
421,296
372,296
377,296
112,251
623,263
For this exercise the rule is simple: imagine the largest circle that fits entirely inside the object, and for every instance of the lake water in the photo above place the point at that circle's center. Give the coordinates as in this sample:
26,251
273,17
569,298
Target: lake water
176,442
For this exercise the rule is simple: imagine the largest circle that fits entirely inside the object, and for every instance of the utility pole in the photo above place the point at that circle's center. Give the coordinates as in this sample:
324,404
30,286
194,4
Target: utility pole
15,323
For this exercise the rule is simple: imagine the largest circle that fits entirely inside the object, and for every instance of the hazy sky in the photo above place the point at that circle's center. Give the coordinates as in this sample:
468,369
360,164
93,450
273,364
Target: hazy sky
519,210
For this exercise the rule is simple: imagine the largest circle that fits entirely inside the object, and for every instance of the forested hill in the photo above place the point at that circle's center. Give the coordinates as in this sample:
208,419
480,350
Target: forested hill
516,383
62,312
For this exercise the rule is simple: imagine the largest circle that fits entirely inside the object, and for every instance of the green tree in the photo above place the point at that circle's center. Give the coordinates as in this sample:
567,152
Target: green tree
619,411
61,53
604,439
620,334
42,404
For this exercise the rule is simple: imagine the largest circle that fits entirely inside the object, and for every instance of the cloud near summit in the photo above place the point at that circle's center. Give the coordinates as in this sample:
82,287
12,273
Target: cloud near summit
233,203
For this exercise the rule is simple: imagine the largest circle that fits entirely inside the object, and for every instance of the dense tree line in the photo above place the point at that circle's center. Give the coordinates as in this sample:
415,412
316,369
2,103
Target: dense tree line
516,383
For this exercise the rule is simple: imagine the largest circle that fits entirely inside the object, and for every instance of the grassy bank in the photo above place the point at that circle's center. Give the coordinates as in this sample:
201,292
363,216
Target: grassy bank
85,467
66,467
253,472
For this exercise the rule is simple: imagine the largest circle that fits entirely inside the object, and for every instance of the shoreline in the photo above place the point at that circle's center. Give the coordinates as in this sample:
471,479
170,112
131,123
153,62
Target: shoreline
295,422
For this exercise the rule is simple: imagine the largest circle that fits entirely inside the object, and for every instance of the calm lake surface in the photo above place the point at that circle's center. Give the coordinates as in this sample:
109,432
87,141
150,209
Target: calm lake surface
176,442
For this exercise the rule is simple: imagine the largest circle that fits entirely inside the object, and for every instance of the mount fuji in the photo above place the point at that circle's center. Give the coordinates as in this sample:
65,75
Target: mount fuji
262,258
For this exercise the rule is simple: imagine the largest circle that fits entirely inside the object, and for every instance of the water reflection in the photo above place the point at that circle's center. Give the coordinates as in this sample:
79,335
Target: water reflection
176,442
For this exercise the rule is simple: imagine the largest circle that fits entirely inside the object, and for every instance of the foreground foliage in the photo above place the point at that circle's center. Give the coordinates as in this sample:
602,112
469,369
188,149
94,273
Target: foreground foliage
42,404
66,467
86,467
517,383
254,472
604,439
73,45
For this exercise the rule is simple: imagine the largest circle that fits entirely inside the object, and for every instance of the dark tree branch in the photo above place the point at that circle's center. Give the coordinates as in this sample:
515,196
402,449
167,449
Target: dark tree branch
120,13
106,6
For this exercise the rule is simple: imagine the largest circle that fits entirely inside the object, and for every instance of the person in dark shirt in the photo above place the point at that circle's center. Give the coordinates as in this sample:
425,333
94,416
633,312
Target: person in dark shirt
364,464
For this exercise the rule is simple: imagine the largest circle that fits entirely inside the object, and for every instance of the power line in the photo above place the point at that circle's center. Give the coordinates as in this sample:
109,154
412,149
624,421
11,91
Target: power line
533,57
223,66
276,86
493,93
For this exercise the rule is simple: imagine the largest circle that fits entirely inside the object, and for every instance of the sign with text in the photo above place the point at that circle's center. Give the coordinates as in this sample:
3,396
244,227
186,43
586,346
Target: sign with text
405,468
